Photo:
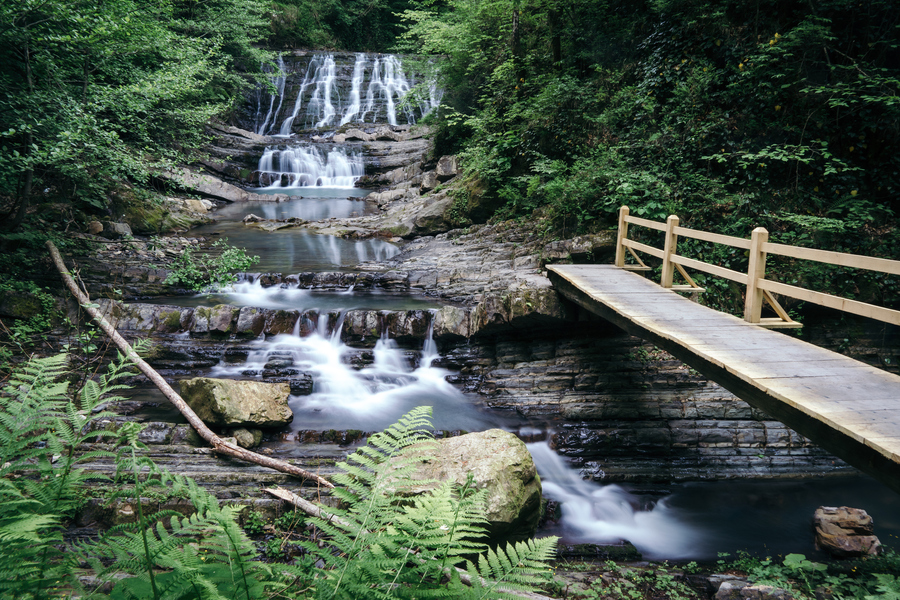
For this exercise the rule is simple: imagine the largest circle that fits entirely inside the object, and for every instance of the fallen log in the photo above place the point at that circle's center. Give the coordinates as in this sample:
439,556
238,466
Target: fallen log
218,444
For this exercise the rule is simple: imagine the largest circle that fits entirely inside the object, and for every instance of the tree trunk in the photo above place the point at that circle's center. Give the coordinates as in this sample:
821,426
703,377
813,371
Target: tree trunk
555,36
28,175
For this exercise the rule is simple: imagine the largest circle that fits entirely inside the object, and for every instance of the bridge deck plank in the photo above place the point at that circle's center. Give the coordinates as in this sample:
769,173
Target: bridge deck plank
805,386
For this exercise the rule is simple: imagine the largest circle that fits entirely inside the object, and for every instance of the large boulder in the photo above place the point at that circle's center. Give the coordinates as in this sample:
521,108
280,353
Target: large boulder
845,532
238,403
500,464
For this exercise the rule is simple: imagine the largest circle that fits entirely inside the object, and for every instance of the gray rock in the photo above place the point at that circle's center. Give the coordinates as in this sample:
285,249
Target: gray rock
502,466
432,219
238,403
235,131
845,532
429,182
247,438
301,385
447,168
742,590
115,231
204,184
219,319
251,322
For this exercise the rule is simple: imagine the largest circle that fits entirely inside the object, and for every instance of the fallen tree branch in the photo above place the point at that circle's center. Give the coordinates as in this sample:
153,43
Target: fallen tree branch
218,444
315,510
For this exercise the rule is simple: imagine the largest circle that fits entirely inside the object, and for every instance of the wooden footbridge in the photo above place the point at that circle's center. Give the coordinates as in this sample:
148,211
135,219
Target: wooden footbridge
848,407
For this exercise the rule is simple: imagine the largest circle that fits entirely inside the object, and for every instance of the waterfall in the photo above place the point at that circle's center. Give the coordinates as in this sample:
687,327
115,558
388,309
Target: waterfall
279,81
303,166
355,84
312,67
387,81
331,94
368,397
597,514
320,105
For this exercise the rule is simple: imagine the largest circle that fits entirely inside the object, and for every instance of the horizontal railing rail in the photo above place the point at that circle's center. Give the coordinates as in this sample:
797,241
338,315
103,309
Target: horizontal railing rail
759,289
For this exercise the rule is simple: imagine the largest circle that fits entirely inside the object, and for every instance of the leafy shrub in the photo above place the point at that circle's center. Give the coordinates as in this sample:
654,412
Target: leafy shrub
207,270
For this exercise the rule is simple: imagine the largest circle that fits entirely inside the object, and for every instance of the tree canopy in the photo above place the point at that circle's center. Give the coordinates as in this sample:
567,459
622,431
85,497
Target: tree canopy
97,93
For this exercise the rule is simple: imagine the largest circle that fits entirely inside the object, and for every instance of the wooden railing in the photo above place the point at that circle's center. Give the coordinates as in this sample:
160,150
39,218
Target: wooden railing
759,289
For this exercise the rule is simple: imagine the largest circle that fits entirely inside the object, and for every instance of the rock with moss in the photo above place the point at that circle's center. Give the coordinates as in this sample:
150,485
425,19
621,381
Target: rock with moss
247,438
502,466
249,404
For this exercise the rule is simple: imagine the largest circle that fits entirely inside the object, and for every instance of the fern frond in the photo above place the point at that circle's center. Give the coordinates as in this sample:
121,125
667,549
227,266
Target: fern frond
518,568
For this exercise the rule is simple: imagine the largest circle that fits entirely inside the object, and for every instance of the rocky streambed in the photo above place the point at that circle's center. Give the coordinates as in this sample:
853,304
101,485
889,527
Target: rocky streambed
486,340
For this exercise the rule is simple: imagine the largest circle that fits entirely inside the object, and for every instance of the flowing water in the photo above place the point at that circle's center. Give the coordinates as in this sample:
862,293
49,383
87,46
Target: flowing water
296,166
323,91
290,296
368,389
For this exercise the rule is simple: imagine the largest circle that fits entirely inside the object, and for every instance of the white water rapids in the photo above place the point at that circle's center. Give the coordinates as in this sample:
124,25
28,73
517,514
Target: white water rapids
369,398
306,166
597,514
374,396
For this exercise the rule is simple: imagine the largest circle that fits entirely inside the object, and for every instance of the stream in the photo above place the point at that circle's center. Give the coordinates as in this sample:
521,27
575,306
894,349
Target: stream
367,389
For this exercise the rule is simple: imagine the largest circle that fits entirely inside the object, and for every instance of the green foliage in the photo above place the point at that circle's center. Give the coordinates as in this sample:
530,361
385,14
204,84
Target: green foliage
207,270
636,583
100,93
254,523
870,578
36,307
731,116
171,556
384,544
383,548
40,482
359,25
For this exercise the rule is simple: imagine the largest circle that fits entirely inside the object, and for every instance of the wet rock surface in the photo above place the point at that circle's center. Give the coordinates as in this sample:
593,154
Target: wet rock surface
845,532
241,404
501,465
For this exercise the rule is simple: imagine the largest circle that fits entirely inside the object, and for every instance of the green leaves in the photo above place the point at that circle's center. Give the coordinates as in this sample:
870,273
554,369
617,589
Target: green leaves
400,537
208,271
95,90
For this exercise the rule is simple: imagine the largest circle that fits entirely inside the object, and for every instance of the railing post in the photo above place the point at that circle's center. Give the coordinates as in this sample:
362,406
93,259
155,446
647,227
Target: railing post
668,267
756,270
621,235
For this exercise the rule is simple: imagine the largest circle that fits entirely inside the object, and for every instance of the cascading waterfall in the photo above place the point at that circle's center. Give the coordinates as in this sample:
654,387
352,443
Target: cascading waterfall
303,166
368,398
387,81
308,80
278,81
333,97
355,85
321,105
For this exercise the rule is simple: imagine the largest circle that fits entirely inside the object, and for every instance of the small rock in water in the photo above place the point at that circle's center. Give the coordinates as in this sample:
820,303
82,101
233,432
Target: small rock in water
845,532
279,362
251,218
302,385
247,438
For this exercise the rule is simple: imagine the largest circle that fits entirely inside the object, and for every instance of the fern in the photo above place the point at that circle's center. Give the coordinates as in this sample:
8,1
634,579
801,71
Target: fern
520,567
172,557
41,427
394,541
